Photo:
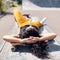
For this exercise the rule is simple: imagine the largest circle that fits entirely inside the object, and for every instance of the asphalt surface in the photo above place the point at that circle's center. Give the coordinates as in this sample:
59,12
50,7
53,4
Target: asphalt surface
29,4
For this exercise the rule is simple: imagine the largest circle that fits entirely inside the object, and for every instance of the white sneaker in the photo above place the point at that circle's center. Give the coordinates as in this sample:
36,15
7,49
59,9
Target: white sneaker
43,20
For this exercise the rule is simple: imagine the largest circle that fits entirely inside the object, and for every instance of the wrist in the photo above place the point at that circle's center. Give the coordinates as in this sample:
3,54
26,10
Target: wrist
21,41
38,39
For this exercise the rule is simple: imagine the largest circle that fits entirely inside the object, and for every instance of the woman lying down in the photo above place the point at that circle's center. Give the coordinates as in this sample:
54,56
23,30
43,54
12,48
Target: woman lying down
29,35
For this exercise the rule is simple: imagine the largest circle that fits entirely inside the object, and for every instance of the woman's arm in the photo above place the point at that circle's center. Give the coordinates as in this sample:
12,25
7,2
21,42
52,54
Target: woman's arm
13,39
31,39
45,37
48,36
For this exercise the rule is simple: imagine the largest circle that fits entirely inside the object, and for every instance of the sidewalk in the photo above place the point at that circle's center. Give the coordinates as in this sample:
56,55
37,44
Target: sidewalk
6,24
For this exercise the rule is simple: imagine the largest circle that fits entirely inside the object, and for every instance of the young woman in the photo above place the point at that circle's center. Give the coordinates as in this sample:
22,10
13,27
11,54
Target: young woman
29,35
22,21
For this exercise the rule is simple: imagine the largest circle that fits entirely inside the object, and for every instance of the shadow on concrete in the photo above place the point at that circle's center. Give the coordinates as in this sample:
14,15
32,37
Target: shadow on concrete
46,3
5,13
21,48
54,47
51,48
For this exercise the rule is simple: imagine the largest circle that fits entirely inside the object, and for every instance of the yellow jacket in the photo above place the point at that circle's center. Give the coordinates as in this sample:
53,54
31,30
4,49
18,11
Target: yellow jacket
21,20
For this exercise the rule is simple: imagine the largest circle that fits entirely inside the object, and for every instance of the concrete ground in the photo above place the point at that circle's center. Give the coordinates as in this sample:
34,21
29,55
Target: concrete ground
6,24
53,14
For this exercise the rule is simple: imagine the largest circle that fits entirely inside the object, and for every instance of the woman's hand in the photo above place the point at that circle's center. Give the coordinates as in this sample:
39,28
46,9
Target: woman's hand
31,39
